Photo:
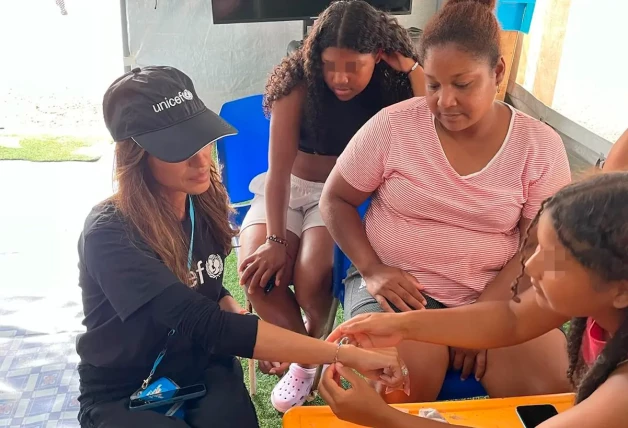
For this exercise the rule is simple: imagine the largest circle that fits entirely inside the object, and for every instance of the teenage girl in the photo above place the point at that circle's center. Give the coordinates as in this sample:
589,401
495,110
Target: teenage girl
579,270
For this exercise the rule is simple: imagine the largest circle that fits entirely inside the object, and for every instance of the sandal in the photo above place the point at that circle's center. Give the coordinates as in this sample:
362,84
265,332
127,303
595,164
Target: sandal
293,389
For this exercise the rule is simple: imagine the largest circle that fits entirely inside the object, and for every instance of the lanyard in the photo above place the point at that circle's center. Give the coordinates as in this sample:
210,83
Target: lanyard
171,332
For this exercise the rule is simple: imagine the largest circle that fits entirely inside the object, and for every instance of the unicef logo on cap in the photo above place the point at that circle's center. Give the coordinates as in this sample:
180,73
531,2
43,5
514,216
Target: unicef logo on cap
167,103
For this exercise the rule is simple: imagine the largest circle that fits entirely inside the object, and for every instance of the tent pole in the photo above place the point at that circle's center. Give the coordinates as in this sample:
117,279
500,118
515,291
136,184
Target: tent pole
126,51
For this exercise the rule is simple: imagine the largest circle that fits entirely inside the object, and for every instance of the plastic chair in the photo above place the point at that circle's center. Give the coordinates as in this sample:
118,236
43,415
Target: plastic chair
453,388
243,156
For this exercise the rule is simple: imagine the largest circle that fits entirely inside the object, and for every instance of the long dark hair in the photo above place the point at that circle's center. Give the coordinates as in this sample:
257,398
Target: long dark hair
139,201
354,25
591,220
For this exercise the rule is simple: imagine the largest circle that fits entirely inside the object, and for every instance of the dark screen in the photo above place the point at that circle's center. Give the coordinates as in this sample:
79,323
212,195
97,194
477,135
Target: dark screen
168,396
533,416
233,11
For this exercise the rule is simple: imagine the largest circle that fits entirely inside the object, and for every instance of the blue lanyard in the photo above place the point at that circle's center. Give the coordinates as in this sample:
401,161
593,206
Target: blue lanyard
191,233
171,332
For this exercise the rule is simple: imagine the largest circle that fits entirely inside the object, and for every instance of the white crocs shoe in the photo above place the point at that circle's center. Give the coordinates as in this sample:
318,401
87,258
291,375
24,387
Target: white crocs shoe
293,389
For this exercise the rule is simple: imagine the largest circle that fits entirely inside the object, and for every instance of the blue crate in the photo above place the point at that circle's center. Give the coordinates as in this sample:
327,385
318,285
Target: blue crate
515,15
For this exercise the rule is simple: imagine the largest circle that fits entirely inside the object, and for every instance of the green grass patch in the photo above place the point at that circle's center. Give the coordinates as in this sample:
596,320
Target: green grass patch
45,148
268,416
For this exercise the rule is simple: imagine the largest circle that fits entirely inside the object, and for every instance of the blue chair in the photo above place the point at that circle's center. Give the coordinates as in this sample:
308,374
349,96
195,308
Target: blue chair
243,156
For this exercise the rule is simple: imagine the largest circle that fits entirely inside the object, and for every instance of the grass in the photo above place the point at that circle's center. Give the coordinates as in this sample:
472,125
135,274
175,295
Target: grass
268,416
46,148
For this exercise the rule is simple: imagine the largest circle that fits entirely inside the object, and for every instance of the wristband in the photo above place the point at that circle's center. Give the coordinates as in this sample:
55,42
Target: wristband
278,240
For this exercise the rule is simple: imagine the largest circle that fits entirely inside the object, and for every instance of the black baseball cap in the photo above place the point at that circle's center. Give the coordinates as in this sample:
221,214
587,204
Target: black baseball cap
157,107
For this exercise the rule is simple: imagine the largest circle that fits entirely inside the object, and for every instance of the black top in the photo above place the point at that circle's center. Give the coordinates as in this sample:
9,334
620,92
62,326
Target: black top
342,120
131,301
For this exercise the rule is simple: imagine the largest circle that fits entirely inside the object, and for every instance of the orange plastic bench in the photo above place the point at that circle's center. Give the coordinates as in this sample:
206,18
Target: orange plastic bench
488,413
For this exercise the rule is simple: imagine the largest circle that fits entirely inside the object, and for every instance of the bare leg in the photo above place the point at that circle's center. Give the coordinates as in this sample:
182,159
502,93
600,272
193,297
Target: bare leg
312,277
427,365
279,307
537,367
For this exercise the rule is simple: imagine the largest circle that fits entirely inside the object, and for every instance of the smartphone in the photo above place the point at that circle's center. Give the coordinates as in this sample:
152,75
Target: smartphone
270,285
534,415
167,397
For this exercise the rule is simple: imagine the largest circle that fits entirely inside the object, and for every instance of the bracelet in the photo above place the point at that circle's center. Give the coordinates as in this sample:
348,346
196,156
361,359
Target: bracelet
278,240
414,67
342,341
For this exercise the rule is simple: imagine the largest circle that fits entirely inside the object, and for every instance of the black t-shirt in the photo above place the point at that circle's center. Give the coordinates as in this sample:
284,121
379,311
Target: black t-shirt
120,275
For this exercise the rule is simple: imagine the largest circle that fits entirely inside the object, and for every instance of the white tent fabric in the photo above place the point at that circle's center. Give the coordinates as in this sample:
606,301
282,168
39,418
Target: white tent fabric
224,61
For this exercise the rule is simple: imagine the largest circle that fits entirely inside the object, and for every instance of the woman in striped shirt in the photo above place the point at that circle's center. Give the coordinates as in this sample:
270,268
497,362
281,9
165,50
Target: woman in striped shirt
455,178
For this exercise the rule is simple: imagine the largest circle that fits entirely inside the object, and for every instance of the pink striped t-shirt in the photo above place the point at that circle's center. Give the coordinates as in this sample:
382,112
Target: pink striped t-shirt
453,233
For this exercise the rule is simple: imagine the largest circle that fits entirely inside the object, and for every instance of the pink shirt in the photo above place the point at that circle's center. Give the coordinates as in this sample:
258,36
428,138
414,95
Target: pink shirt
453,233
592,342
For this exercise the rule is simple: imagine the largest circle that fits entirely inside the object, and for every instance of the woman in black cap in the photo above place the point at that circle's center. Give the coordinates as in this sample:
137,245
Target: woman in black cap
159,322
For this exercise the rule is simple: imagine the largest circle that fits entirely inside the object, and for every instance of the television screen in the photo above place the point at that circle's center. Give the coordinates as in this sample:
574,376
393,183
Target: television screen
234,11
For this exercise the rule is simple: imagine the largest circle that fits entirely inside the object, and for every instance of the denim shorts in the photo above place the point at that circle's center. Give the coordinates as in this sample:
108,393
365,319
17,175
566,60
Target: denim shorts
359,301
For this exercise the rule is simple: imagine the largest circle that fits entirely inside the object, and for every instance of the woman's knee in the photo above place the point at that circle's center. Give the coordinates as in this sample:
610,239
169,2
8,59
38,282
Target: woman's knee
427,365
537,367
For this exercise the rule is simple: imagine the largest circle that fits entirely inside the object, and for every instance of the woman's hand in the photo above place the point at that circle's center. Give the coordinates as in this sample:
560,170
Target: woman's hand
360,404
469,361
387,283
398,61
370,331
257,269
383,365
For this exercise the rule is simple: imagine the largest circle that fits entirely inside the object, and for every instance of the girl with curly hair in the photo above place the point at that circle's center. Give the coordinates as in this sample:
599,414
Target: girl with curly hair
579,270
355,61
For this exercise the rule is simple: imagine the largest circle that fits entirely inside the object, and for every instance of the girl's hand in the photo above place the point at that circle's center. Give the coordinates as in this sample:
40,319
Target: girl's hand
360,404
258,268
370,331
398,62
382,365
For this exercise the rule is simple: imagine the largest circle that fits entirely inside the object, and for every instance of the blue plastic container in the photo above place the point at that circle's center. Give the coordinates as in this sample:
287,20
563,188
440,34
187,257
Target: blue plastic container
515,15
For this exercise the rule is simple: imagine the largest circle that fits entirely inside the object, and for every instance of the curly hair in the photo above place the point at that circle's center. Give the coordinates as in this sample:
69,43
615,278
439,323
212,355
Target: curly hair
348,24
470,24
589,217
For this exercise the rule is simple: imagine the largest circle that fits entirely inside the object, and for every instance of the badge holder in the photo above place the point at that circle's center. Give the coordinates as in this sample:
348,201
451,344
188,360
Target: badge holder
164,387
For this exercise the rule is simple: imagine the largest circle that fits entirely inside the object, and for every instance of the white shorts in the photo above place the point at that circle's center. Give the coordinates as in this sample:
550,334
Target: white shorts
303,212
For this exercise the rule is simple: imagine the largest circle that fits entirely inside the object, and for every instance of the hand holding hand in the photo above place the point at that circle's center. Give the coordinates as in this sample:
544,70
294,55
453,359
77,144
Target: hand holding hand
370,331
383,365
360,404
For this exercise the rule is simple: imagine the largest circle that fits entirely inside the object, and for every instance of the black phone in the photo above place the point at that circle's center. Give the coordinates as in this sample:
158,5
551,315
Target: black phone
270,285
167,397
534,415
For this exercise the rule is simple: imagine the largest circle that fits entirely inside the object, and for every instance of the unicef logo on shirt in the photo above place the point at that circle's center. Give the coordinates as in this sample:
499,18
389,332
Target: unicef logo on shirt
214,266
